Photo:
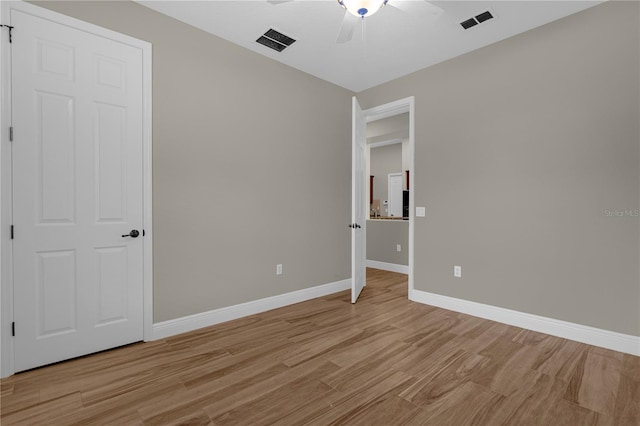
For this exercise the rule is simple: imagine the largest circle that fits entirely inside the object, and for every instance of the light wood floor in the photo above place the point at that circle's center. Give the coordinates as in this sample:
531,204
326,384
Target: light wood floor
384,361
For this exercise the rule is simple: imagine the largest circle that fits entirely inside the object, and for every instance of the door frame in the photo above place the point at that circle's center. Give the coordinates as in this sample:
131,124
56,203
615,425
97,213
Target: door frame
401,106
6,185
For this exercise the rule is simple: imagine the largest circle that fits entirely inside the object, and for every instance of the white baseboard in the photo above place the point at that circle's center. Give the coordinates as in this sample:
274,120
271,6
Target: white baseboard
568,330
392,267
217,316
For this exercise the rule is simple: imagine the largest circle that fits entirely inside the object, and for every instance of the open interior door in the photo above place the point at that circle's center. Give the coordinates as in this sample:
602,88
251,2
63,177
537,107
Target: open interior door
358,222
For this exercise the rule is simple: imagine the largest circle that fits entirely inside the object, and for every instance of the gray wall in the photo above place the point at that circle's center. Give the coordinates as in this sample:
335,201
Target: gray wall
384,160
241,149
382,238
521,148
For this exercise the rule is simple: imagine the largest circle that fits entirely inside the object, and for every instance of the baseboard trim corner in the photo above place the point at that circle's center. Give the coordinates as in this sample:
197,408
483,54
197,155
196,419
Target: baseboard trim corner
580,333
188,323
385,266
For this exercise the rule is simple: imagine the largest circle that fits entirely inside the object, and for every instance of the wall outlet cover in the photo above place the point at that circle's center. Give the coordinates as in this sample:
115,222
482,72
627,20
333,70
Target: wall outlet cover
421,211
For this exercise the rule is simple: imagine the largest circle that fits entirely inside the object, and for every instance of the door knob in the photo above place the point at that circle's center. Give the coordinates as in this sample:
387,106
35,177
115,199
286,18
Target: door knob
133,234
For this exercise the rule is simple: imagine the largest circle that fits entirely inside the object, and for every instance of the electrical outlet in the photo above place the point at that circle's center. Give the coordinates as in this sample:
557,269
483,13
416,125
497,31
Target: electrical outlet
420,212
398,247
279,269
457,271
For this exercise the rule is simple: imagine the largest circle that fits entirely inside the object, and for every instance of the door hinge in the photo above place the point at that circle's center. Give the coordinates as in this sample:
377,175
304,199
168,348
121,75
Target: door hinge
11,134
12,232
10,29
13,329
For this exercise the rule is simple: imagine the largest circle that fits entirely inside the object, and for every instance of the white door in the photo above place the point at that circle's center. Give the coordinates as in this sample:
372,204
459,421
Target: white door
77,192
395,194
358,222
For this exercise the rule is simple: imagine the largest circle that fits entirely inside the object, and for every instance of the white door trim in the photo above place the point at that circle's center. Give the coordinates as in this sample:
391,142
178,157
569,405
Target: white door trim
389,110
6,263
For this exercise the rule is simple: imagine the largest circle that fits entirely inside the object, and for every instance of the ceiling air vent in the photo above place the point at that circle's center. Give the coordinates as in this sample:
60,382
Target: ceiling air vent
469,23
275,40
478,19
484,16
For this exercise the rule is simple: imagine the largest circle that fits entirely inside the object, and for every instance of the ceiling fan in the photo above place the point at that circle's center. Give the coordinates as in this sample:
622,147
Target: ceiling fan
357,10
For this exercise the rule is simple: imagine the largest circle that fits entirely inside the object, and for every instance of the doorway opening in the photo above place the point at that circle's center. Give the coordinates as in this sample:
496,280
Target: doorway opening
388,191
389,173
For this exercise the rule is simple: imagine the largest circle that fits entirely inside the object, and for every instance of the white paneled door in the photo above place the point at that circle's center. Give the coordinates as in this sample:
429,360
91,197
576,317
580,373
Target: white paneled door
358,212
77,192
394,194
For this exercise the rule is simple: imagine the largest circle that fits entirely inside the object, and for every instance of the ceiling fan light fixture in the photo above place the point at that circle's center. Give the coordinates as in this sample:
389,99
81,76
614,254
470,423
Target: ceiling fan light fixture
362,8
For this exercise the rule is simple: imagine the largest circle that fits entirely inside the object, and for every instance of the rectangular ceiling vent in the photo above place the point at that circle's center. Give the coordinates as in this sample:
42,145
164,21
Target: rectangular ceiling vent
478,19
275,40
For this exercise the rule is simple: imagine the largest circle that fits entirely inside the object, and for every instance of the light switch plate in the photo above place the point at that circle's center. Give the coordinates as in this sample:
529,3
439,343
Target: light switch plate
457,271
420,211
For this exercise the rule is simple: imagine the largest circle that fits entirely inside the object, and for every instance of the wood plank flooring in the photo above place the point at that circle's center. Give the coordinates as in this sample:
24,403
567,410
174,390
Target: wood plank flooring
384,361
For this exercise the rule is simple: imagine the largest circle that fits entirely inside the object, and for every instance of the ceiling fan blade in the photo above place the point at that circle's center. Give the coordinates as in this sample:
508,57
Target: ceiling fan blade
416,6
349,24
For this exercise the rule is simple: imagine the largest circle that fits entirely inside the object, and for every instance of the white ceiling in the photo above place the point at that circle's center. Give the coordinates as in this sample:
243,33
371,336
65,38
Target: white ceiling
396,43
